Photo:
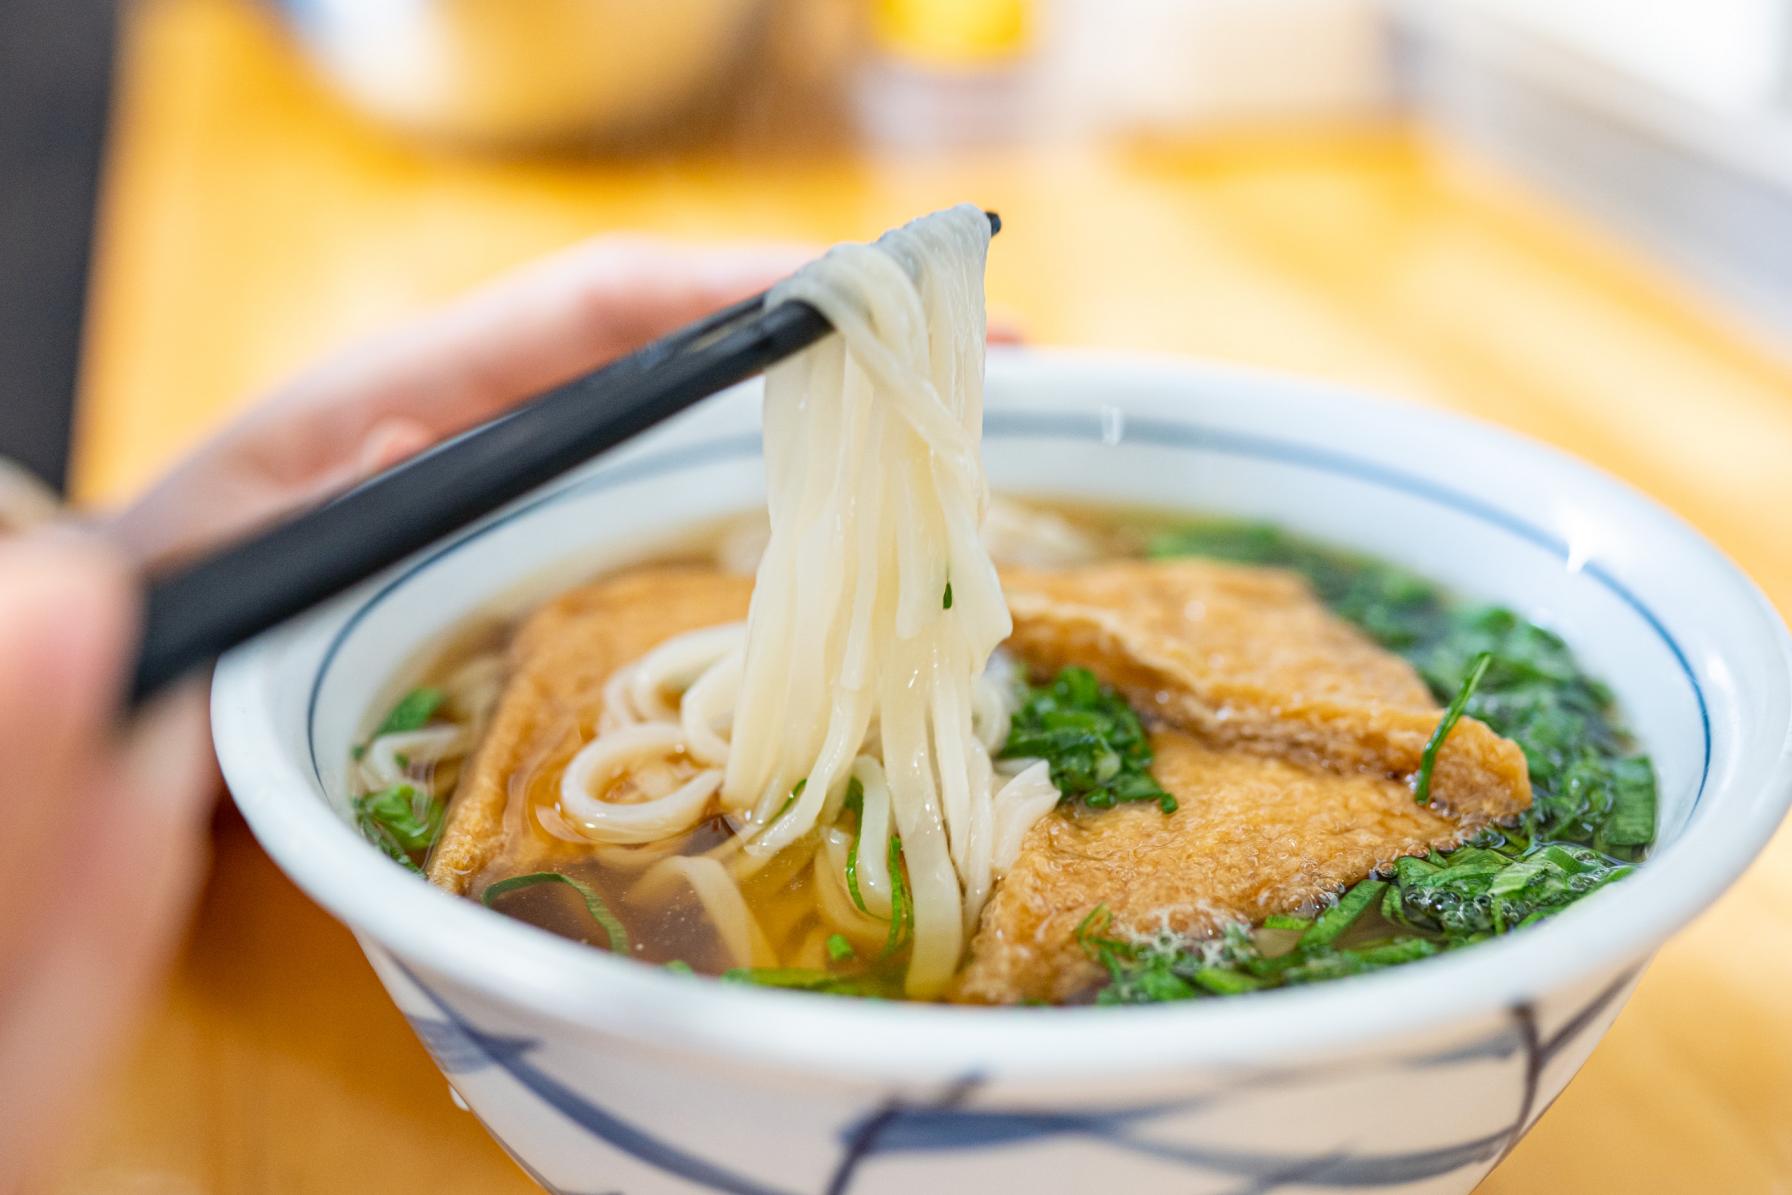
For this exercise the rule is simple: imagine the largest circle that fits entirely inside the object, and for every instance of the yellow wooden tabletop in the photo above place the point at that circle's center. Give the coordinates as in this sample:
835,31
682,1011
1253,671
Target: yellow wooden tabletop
250,224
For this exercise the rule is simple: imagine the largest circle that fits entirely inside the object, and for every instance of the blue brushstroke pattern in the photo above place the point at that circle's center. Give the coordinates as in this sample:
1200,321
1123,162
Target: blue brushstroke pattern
945,1126
504,1052
457,1053
925,1130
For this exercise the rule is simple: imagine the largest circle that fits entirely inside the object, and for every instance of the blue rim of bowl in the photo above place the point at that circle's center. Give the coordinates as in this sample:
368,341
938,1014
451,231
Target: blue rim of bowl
1077,428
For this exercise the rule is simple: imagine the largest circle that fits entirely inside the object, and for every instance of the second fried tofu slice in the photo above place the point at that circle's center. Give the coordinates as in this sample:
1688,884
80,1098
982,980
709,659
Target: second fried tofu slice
558,662
1251,836
1250,658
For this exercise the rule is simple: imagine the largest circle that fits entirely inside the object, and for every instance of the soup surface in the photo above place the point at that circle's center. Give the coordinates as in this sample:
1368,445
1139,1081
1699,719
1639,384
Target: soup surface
1238,797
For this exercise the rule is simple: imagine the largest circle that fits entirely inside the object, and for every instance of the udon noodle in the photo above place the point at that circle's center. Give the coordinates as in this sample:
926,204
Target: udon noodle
861,668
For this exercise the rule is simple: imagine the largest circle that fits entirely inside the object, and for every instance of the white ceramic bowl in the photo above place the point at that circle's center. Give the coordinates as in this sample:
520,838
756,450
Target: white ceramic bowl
599,1074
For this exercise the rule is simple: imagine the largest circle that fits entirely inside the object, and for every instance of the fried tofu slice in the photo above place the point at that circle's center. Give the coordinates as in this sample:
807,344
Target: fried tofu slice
558,662
1287,737
1251,836
1249,658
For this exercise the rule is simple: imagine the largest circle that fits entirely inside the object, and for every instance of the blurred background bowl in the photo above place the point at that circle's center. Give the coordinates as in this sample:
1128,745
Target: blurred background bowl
526,72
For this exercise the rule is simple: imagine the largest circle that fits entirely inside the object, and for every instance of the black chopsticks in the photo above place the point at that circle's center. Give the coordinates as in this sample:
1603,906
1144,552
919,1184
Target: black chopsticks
195,612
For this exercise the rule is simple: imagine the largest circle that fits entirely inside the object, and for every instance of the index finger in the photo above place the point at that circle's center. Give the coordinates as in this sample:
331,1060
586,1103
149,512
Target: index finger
531,331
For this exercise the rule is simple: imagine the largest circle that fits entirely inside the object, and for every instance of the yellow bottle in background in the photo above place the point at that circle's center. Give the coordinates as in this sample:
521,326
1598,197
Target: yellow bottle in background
948,72
953,33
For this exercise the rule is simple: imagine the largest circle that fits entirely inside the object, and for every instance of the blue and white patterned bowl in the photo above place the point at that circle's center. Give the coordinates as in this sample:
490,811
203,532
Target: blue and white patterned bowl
602,1075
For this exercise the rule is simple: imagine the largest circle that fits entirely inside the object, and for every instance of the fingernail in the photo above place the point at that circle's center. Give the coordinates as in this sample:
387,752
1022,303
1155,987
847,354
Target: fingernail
390,441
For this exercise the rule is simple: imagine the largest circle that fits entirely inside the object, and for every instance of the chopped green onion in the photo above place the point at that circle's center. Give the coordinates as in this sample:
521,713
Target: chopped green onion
839,949
1111,953
790,800
1631,822
594,903
1095,744
855,801
409,817
778,977
679,967
1421,791
412,712
1223,981
1341,916
1392,908
902,912
802,979
1285,921
383,838
1394,952
1094,922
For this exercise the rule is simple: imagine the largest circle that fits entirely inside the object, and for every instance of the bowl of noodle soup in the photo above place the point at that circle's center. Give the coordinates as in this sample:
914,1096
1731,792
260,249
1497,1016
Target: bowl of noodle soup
603,1072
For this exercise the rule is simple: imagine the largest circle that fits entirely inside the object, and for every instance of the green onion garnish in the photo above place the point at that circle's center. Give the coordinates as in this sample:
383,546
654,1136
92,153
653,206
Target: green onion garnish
594,903
1224,981
902,912
855,801
1341,916
403,817
412,712
1421,791
790,800
1631,822
1097,748
804,979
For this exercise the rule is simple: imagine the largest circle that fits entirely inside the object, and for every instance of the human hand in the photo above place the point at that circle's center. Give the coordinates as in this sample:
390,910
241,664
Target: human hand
104,842
396,394
104,824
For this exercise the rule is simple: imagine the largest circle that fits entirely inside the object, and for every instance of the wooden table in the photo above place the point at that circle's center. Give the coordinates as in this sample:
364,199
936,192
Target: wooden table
252,224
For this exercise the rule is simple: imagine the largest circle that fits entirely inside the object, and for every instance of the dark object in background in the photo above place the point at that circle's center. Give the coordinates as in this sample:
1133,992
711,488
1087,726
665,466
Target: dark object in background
537,76
55,93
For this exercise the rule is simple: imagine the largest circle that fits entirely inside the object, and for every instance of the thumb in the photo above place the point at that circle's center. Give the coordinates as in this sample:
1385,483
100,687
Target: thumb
67,619
131,857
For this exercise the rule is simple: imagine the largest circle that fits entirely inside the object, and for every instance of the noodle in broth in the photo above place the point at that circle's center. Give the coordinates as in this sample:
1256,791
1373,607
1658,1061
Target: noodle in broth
853,668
